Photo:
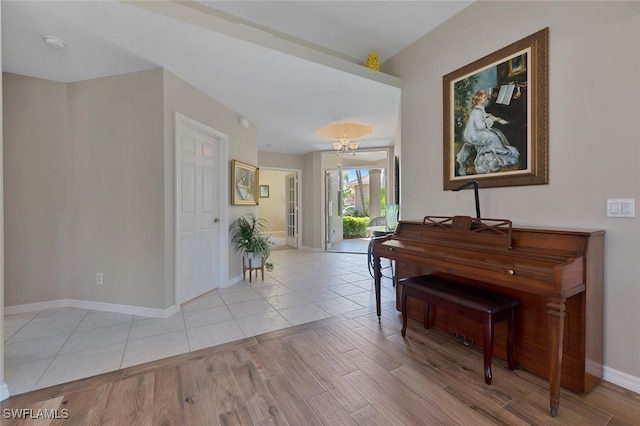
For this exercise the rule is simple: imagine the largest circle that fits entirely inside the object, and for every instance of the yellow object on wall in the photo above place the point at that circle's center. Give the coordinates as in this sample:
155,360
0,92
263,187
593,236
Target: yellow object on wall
373,61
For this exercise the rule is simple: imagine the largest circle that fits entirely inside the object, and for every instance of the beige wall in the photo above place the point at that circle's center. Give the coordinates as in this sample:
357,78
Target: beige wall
82,189
35,192
594,142
274,208
115,175
278,160
89,185
312,218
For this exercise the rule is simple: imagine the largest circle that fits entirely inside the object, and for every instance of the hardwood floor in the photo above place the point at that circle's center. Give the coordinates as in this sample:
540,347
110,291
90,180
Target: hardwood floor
344,370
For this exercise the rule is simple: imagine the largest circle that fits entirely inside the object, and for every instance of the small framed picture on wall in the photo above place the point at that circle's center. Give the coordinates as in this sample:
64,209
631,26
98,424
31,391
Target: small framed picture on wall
264,191
244,181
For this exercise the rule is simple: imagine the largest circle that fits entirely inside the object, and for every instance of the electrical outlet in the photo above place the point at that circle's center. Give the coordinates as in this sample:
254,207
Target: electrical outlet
99,279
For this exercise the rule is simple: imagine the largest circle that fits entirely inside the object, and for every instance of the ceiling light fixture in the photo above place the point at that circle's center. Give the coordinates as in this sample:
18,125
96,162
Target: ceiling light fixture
344,132
54,43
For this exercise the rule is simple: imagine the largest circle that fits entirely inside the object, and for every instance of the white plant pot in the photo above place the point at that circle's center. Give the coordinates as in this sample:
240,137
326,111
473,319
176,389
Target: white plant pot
256,260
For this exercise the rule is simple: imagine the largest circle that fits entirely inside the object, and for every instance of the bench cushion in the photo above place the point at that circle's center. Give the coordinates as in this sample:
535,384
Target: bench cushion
469,297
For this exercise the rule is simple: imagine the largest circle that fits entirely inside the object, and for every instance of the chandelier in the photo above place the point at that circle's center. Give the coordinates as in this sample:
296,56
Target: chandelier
346,146
343,132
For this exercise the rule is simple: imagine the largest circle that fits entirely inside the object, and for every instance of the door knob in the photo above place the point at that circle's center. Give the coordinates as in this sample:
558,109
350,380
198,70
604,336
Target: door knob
216,220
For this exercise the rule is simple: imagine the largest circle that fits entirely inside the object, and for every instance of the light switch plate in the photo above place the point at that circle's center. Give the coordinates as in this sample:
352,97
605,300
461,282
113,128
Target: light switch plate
621,207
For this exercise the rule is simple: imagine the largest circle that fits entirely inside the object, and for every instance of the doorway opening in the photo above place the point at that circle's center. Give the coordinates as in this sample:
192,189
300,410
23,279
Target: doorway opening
279,205
355,192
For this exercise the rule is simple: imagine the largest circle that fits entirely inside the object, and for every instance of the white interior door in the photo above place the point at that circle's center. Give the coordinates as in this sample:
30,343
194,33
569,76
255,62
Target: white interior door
292,210
198,210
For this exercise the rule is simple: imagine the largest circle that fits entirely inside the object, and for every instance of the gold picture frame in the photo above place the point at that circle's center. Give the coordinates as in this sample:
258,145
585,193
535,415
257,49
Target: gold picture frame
496,117
244,184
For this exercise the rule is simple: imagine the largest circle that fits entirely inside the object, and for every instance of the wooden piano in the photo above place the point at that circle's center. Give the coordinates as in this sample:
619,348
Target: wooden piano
556,274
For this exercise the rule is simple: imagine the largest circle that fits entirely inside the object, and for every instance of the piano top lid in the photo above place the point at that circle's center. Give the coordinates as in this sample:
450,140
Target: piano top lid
534,242
467,231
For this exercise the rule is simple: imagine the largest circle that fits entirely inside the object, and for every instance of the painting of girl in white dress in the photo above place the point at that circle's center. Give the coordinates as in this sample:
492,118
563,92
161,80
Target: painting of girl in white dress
495,117
489,145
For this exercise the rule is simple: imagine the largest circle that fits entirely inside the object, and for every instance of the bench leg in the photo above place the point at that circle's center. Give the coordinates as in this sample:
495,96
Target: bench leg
404,312
488,347
511,334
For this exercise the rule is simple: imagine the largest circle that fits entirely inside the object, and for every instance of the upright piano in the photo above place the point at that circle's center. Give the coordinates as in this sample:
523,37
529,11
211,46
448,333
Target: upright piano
556,274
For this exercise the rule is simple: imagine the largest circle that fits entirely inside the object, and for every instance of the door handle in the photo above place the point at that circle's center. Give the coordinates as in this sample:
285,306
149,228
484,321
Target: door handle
216,220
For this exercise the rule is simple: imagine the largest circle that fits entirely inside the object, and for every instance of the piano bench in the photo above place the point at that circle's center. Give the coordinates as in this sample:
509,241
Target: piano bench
474,303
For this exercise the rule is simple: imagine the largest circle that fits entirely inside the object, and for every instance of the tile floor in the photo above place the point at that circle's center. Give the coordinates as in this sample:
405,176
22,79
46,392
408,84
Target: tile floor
352,245
50,347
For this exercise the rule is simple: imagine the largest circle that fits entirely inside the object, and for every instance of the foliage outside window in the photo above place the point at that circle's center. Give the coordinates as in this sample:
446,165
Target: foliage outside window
355,227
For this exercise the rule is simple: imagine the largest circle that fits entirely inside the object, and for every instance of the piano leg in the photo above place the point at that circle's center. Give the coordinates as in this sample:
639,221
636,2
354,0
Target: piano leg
377,275
555,314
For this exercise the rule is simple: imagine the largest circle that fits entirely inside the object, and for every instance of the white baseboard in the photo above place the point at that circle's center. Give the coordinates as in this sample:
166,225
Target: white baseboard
97,306
621,379
232,281
4,392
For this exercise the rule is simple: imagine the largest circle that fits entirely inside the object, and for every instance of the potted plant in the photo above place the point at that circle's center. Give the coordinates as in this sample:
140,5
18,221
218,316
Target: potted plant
248,237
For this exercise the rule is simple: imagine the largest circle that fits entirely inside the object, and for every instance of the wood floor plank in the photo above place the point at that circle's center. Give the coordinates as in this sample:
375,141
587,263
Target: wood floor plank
421,407
305,383
380,356
261,404
531,414
335,340
475,390
435,341
200,406
334,356
438,369
622,403
384,328
484,403
263,360
293,405
382,399
330,412
114,400
167,397
86,407
229,399
135,400
437,399
237,417
369,416
348,398
615,421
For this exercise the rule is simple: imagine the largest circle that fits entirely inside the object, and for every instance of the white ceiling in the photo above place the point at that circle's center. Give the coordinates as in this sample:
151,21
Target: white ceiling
289,67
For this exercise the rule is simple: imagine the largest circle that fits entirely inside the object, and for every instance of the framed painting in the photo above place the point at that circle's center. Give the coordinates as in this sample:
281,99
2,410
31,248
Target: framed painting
496,117
244,184
264,191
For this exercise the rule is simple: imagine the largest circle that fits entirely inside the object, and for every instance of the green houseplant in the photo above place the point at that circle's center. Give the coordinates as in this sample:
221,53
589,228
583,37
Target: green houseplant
248,237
